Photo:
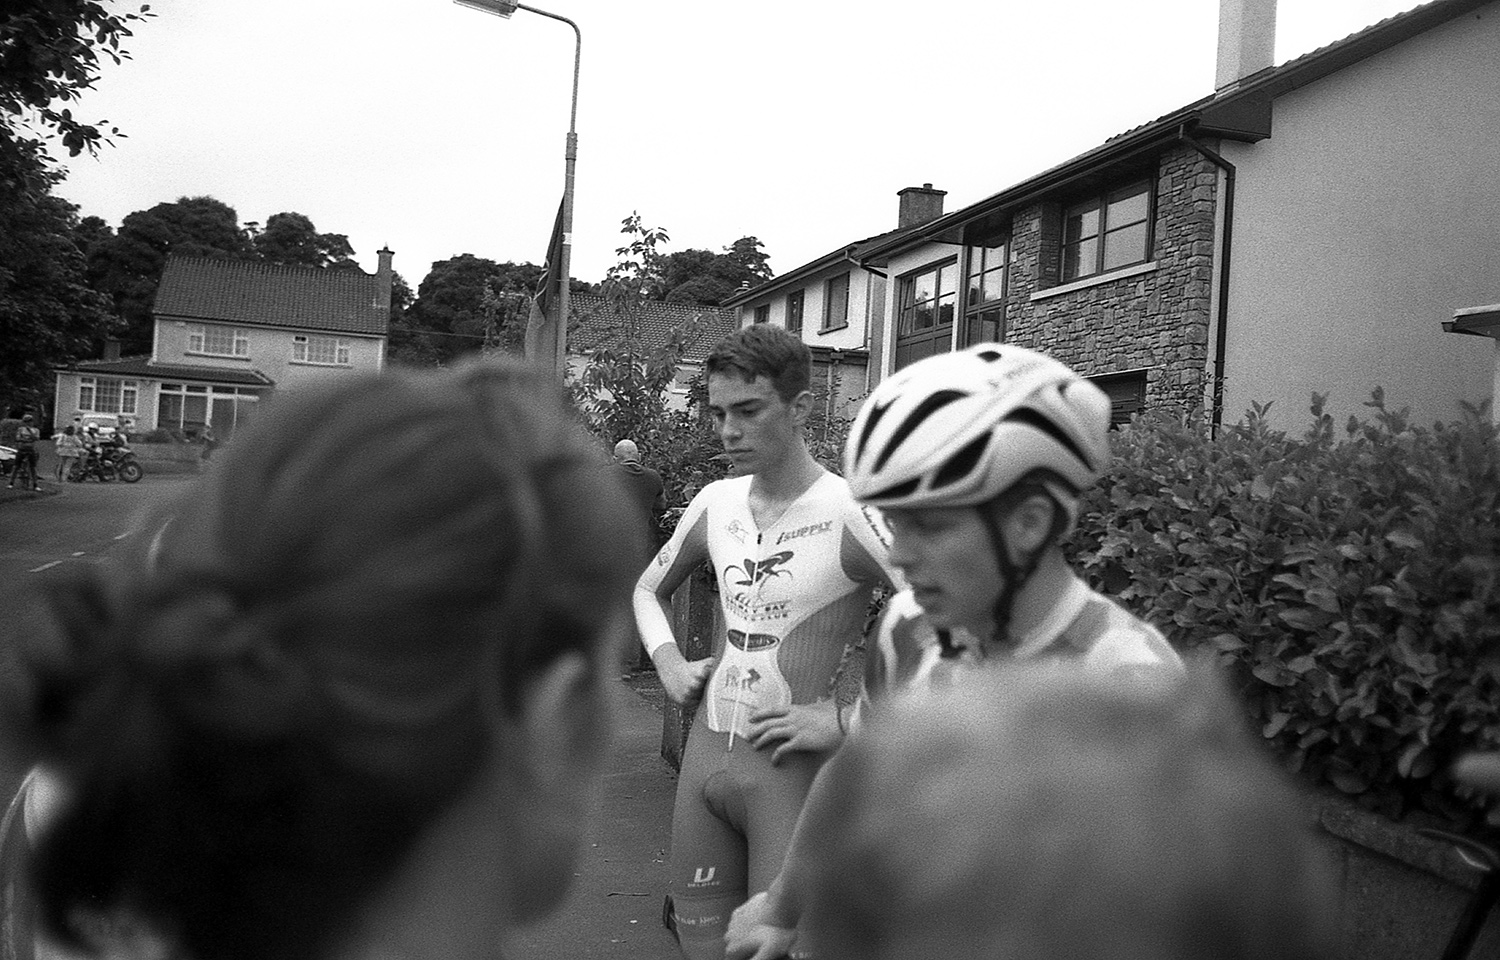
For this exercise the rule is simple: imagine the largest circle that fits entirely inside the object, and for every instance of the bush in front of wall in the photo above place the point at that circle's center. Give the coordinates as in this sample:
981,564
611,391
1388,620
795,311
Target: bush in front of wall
1352,581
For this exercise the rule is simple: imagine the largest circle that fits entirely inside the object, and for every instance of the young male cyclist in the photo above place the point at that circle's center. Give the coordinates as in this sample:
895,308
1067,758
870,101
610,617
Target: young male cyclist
795,559
977,460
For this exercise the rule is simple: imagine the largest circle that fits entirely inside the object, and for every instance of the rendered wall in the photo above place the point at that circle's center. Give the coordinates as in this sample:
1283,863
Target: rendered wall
1368,217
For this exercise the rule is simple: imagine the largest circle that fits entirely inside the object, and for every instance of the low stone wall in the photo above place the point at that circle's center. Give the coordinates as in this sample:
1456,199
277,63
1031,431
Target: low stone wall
1401,892
696,617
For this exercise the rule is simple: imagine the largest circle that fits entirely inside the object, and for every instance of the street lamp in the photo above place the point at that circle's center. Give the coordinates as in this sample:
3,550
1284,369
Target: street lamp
504,8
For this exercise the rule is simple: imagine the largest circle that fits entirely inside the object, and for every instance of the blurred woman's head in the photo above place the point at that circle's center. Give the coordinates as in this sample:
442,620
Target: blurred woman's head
379,622
1039,812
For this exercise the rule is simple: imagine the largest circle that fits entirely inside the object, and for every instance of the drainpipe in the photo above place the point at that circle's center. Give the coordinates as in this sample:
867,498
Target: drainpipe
1227,246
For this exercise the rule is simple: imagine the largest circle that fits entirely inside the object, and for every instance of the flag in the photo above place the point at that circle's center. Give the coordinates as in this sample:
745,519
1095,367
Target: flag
541,332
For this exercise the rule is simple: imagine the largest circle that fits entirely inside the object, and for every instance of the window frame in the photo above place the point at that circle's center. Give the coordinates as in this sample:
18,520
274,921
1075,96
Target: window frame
974,312
340,348
118,389
908,341
1099,203
829,300
763,313
796,306
239,340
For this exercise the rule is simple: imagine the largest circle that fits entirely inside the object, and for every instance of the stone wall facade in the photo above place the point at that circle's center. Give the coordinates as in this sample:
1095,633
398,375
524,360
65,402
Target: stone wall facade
1156,321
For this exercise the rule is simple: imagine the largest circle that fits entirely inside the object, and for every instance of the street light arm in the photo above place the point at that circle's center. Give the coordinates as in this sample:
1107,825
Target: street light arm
577,58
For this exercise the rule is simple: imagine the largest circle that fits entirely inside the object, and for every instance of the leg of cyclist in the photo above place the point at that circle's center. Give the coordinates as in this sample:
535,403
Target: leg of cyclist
708,848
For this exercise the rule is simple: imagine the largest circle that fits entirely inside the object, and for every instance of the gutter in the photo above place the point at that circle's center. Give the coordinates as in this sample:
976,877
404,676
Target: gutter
1226,251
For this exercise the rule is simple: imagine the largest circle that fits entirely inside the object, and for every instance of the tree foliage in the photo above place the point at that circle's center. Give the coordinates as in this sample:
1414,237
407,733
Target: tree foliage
463,304
1353,582
292,238
50,54
701,276
48,312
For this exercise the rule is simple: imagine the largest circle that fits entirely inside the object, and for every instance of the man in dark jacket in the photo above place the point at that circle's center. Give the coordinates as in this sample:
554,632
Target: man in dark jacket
645,483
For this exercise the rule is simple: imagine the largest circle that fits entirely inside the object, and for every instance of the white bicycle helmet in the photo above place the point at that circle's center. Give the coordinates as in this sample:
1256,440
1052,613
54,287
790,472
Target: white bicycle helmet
959,429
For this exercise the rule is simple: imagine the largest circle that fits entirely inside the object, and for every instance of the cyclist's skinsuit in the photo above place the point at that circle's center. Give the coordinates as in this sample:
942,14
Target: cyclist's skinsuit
793,595
1083,625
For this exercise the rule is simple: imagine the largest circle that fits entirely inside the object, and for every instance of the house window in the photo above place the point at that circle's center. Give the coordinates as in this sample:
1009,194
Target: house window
794,303
190,407
325,350
926,303
1127,395
107,395
836,303
763,313
1107,232
984,299
216,340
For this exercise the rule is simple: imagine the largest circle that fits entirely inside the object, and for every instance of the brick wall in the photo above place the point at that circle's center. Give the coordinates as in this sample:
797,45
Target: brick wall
1156,321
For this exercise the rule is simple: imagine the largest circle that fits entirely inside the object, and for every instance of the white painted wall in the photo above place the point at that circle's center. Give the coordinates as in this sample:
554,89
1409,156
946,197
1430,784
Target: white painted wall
1368,217
271,353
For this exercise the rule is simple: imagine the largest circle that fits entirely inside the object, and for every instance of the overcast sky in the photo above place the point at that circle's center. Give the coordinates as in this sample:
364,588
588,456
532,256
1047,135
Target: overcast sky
439,130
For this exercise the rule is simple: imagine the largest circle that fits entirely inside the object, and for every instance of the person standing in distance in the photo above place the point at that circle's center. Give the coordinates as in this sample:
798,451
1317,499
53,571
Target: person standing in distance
796,560
644,482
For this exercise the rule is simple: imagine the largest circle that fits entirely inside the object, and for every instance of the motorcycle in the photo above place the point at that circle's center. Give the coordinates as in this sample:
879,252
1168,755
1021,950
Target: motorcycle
105,464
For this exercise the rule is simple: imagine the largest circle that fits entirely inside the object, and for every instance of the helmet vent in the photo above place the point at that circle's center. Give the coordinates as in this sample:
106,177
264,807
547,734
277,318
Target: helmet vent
962,463
876,413
988,356
1034,419
898,492
937,401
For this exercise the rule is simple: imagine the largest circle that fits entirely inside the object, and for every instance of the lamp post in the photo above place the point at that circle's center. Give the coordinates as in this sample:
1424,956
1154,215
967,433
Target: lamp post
504,8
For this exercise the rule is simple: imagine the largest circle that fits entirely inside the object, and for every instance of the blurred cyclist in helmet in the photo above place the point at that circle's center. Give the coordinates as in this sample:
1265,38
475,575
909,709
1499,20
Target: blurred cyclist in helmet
977,460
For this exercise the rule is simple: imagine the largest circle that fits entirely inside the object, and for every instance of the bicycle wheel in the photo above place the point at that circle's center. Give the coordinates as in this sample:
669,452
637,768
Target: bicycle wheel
130,471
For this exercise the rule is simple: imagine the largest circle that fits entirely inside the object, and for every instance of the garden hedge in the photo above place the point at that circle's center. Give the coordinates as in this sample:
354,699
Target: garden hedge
1352,580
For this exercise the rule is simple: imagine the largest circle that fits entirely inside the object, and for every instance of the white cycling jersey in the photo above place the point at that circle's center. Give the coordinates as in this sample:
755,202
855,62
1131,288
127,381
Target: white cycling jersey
792,594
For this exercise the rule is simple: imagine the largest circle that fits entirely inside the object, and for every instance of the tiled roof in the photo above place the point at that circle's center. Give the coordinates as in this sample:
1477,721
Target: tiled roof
599,327
271,294
850,252
1205,115
143,367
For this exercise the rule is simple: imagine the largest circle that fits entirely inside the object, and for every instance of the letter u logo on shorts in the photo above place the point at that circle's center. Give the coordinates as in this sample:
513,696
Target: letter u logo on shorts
703,875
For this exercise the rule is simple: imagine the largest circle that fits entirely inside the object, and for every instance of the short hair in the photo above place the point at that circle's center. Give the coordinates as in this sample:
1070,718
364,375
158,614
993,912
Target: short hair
627,450
258,716
1091,817
763,350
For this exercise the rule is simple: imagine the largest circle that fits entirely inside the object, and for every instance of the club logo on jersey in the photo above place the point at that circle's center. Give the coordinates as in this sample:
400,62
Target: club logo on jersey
703,877
741,681
738,530
755,573
664,557
811,530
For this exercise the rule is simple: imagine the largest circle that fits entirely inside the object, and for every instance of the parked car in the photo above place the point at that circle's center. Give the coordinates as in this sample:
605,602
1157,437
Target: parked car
105,423
7,460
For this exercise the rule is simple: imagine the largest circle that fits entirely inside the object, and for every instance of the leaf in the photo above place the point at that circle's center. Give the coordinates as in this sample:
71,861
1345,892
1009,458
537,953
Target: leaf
1402,538
1275,724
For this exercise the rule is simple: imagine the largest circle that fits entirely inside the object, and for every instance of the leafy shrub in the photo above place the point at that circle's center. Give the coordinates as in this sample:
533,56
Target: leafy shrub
1353,582
161,435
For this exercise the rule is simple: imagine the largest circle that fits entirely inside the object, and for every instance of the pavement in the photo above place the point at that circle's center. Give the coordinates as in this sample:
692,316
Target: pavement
614,910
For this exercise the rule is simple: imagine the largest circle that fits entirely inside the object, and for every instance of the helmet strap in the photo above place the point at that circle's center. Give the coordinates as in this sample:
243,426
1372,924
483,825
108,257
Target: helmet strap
1013,575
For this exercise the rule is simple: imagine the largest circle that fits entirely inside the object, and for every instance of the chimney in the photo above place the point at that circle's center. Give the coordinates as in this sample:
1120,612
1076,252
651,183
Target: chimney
1247,39
111,349
919,205
383,280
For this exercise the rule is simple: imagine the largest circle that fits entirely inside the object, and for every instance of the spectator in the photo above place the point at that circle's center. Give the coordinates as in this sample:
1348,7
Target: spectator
336,709
1047,813
69,448
27,436
644,482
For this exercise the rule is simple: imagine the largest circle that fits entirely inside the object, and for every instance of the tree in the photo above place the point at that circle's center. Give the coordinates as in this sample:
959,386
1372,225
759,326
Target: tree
49,55
48,313
699,276
292,238
464,303
623,389
127,267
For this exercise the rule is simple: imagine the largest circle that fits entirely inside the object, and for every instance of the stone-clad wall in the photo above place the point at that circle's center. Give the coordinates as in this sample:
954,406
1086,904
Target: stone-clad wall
1156,321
